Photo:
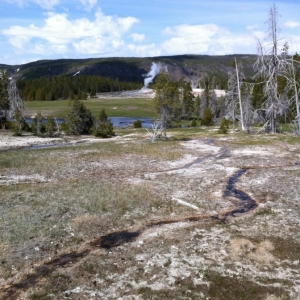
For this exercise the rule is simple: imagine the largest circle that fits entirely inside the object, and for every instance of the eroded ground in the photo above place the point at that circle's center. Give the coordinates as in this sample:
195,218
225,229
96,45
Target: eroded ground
127,219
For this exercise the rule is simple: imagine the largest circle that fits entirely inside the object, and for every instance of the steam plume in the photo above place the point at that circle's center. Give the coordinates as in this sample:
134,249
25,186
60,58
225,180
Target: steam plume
155,70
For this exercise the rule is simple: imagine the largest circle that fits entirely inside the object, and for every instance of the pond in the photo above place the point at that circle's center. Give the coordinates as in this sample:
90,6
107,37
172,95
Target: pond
119,122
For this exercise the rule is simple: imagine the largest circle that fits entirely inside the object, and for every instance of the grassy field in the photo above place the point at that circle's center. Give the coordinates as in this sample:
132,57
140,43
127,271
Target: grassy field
127,107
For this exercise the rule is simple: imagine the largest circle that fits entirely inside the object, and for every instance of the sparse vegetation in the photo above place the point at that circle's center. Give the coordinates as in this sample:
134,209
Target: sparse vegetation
197,215
55,219
137,124
224,126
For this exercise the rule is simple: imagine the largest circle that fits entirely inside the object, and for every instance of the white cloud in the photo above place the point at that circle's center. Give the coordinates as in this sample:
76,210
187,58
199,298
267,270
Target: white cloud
46,4
137,37
18,2
189,39
60,34
294,43
144,50
89,4
206,38
291,24
50,4
251,27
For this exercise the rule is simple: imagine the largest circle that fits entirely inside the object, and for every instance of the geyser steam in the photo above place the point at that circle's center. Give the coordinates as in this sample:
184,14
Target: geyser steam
155,70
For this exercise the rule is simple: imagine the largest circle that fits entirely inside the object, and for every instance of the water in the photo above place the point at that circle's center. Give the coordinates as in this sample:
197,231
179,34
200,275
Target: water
45,146
246,203
125,122
118,122
115,239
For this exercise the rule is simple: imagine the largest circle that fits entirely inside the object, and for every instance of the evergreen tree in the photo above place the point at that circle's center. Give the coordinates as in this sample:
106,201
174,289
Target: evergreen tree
50,126
188,100
194,123
93,93
78,119
37,126
207,118
166,99
20,123
224,126
103,126
40,94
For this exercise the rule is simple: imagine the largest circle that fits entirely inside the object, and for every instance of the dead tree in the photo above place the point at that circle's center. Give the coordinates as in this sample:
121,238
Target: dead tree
4,103
293,86
155,131
269,66
239,95
16,102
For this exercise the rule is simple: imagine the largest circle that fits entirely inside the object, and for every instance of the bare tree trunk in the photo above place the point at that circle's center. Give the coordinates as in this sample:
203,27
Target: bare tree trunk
239,94
57,127
16,102
294,82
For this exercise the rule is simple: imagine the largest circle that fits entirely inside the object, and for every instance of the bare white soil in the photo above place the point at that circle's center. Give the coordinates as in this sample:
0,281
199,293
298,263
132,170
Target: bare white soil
9,141
261,247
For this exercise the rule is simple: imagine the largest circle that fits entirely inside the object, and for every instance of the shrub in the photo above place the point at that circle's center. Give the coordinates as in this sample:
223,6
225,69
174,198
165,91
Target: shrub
103,126
224,126
137,124
50,126
79,119
208,117
194,123
20,123
37,126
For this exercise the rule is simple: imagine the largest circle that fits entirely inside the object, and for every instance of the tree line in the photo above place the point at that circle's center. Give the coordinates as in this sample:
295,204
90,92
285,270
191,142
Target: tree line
77,120
70,87
248,101
269,98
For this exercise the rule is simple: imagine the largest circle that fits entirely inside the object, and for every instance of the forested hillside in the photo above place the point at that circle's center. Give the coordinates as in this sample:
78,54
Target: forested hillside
66,87
193,67
69,78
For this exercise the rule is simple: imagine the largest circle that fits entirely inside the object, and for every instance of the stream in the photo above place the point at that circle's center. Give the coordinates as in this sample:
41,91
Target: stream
244,205
119,122
114,239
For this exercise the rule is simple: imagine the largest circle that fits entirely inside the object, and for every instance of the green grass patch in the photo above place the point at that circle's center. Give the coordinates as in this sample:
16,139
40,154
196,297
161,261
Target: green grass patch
120,107
265,211
235,288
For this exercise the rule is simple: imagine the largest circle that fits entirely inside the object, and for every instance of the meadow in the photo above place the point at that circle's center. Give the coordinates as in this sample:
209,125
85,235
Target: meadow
114,107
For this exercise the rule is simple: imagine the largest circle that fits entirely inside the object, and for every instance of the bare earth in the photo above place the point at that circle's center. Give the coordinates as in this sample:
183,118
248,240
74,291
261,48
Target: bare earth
186,244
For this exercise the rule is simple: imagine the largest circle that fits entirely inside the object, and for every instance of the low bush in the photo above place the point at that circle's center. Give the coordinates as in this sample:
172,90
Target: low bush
137,124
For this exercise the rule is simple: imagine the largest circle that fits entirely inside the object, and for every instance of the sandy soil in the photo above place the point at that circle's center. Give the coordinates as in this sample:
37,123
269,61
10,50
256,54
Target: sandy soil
8,141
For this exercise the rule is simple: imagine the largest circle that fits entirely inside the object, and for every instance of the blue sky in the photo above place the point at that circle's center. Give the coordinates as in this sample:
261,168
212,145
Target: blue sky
31,30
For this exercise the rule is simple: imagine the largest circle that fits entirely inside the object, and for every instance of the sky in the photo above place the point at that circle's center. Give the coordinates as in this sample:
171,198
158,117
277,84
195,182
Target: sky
32,30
